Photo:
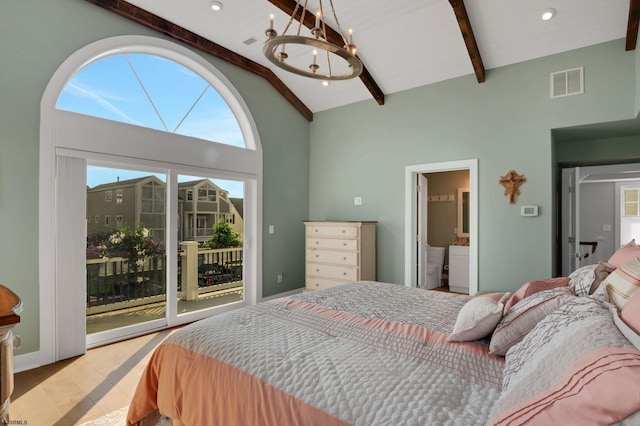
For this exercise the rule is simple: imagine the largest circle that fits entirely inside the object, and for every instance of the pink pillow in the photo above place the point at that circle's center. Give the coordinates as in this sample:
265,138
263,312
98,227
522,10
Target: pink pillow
533,287
624,254
630,314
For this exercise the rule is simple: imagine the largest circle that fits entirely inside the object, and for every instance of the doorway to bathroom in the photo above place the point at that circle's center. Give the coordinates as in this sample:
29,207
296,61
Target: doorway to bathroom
441,223
446,221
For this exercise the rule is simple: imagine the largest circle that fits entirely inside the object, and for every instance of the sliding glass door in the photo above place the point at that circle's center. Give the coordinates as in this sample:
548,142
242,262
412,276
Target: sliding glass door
126,281
130,287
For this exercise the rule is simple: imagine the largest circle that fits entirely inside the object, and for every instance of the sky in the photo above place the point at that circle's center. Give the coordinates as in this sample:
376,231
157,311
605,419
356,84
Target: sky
153,92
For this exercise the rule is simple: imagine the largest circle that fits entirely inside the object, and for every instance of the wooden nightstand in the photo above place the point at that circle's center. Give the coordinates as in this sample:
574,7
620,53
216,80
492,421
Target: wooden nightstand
10,308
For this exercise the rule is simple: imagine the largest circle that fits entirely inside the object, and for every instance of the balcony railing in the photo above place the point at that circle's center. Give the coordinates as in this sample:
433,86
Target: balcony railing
112,285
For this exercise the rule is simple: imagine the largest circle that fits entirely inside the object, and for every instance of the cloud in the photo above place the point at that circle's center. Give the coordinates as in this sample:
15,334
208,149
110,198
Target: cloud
101,98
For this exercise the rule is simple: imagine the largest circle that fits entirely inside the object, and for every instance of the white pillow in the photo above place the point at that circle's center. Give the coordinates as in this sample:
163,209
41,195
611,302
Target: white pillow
478,317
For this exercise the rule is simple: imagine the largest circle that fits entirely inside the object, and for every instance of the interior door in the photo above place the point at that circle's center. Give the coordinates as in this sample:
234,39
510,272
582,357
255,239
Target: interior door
571,220
422,230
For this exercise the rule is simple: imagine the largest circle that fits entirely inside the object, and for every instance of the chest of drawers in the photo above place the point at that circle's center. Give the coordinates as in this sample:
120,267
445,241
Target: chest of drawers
339,252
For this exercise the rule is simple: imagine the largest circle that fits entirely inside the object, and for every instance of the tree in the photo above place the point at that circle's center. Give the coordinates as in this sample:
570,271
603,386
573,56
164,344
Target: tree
223,236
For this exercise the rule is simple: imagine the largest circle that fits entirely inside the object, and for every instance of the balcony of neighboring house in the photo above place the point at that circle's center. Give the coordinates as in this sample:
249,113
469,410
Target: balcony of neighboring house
199,234
121,292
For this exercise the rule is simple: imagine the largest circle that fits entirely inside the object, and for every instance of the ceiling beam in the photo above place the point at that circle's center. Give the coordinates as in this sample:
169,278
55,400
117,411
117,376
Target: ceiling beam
179,33
632,24
469,39
289,6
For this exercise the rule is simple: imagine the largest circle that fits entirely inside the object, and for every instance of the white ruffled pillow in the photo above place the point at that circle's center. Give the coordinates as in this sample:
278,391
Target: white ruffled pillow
478,317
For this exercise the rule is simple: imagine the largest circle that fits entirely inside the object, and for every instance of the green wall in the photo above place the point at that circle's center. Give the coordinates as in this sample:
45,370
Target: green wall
596,151
363,149
36,37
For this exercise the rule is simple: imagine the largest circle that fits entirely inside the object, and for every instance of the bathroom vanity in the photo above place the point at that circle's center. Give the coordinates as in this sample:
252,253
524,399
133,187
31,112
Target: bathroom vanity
459,269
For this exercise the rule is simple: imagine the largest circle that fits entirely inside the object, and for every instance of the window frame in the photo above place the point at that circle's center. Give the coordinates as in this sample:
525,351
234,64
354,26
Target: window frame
64,134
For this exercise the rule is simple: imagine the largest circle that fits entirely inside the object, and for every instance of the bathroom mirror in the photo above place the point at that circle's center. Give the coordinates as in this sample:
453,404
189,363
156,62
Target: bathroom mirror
463,212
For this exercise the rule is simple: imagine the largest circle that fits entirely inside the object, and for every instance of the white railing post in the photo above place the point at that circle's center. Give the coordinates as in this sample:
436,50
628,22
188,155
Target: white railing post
190,270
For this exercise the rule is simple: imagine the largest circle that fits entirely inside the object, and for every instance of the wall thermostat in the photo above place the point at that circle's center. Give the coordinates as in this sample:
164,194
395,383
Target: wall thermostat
529,211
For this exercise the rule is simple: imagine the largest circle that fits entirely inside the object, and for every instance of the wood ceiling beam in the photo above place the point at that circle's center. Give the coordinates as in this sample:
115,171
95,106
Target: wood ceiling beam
632,24
289,6
469,39
179,33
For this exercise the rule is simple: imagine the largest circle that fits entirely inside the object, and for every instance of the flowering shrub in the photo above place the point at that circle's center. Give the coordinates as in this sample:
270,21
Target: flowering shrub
132,244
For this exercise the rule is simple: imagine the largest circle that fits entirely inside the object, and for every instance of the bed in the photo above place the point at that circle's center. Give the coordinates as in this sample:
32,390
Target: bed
370,353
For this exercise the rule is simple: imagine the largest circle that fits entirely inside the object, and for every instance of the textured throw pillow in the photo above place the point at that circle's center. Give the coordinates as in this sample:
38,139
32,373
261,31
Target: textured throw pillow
624,254
582,279
623,283
601,272
533,287
478,317
574,368
630,314
524,316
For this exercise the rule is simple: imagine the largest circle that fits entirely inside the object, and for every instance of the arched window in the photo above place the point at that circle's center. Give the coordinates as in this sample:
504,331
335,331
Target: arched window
152,91
132,129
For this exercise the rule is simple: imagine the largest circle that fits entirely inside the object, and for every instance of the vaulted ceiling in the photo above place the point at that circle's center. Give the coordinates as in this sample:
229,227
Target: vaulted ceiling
403,44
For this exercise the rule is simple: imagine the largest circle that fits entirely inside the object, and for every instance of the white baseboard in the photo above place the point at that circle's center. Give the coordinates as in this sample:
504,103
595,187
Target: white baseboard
286,293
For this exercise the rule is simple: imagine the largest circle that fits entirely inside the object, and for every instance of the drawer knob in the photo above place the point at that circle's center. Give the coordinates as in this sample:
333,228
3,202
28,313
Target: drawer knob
316,230
344,231
317,285
344,244
344,258
317,242
317,270
317,255
344,273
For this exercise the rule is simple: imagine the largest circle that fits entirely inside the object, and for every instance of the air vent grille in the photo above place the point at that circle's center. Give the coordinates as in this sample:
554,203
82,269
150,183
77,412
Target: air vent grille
567,82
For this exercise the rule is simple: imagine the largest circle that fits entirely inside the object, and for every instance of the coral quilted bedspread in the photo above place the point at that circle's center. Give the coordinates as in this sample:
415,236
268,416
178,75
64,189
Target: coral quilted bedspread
365,353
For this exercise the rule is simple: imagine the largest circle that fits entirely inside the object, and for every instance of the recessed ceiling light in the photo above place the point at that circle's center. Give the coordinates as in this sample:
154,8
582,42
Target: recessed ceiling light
216,6
548,14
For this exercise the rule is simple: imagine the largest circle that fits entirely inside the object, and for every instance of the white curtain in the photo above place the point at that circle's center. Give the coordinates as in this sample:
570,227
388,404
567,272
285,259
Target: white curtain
70,257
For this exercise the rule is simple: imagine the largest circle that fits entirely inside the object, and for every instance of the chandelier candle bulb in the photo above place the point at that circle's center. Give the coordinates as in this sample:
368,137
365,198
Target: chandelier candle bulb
271,22
318,40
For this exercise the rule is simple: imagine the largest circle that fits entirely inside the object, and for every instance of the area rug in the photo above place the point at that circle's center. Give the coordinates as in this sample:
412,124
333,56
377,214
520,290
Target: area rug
119,418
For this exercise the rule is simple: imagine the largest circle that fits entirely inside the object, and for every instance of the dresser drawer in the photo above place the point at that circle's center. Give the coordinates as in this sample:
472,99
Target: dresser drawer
332,231
341,258
315,283
332,244
347,273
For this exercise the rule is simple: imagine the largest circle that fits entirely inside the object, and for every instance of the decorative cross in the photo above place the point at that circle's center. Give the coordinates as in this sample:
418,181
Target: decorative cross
511,182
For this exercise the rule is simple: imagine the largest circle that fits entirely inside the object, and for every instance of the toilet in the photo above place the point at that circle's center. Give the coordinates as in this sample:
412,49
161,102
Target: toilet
435,261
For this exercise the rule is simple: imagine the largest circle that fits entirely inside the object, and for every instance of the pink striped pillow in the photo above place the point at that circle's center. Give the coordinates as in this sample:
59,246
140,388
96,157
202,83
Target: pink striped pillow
631,313
623,283
533,287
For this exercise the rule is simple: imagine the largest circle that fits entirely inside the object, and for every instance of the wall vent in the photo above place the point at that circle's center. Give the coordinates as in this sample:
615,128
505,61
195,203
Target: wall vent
567,82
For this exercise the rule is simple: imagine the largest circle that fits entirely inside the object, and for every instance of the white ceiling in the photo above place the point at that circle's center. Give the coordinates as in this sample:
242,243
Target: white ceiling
408,43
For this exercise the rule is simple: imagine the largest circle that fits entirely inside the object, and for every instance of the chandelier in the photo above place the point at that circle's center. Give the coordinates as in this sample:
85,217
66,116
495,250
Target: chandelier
313,56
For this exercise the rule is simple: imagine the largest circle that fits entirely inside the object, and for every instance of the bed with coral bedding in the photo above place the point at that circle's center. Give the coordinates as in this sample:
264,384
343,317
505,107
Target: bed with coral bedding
370,353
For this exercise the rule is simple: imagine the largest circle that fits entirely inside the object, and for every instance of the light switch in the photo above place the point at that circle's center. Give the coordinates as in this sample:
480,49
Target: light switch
271,229
357,201
606,228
